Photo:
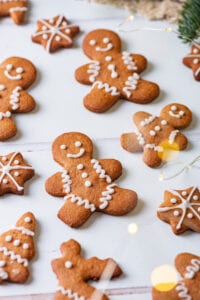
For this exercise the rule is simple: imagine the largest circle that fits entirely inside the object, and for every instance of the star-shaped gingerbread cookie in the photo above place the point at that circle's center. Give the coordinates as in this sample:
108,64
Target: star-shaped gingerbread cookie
14,172
55,33
193,61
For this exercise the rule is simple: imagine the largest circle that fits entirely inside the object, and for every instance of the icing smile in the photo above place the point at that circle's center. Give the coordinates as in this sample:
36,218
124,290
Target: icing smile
107,48
10,67
76,155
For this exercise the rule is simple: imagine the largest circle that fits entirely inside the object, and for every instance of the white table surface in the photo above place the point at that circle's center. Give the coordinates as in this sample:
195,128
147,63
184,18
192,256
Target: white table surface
59,109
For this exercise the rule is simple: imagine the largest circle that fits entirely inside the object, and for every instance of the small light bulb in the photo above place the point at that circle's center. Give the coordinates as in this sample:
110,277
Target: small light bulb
130,18
161,177
132,228
169,29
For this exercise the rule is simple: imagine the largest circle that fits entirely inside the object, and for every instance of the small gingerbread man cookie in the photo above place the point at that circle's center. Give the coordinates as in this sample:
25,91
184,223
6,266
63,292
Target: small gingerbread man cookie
181,209
85,182
193,61
16,9
13,173
16,75
188,265
55,33
153,131
73,273
112,74
17,249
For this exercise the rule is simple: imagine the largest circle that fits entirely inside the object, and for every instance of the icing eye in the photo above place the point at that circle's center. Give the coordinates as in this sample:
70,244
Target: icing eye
164,122
19,70
78,144
9,67
181,113
173,107
68,264
106,40
63,147
195,198
92,42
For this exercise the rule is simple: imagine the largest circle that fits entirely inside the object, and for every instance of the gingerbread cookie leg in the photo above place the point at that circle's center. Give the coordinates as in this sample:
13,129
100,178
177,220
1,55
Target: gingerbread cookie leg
101,97
8,128
150,155
17,14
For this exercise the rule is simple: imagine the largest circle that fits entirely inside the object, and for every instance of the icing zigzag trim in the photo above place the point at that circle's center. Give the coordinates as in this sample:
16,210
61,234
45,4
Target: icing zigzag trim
79,201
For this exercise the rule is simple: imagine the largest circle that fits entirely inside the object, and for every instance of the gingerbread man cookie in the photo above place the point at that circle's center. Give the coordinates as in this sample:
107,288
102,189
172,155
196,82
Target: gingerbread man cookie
155,130
55,33
193,61
112,74
86,183
16,75
13,173
188,265
17,249
16,9
73,273
181,209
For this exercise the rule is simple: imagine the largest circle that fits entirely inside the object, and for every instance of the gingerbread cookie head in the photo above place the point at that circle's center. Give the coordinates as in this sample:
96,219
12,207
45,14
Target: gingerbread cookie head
87,184
157,134
181,209
73,273
188,288
100,43
193,61
17,249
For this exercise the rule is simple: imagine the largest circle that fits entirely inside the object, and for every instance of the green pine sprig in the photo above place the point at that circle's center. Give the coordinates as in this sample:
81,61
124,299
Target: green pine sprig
189,21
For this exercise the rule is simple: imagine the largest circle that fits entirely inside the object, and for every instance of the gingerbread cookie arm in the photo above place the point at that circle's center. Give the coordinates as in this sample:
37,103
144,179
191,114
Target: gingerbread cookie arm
185,264
8,128
54,185
84,74
131,142
140,62
22,101
112,167
18,14
101,97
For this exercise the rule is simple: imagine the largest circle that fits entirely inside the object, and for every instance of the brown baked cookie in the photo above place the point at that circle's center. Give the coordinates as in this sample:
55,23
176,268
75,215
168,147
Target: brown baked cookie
55,33
16,9
193,61
155,130
181,209
86,183
73,273
16,75
113,74
188,265
14,172
17,249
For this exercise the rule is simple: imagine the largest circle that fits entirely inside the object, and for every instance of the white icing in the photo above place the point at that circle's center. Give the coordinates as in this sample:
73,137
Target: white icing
53,31
70,294
81,202
152,132
76,155
14,256
8,238
190,216
108,89
66,180
154,147
16,243
108,58
173,200
80,166
88,183
18,8
99,170
183,206
14,98
84,175
129,61
25,246
6,169
104,49
78,144
9,67
106,40
3,274
112,68
176,213
2,87
107,195
196,61
147,120
68,264
157,128
184,193
24,230
6,114
63,147
92,42
93,69
27,219
192,269
195,198
164,122
172,136
140,138
183,291
131,84
2,263
197,72
177,115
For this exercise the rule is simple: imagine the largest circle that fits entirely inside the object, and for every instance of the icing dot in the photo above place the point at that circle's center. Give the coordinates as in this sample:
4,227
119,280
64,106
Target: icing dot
16,174
45,36
198,209
106,40
190,216
181,113
44,28
78,144
2,87
80,167
173,107
5,181
58,38
68,30
92,42
157,128
195,198
9,67
19,70
51,21
68,264
16,162
64,23
88,183
84,175
8,238
184,193
63,147
152,133
16,243
176,213
2,263
173,200
27,219
25,246
108,58
195,50
195,61
4,158
142,123
164,122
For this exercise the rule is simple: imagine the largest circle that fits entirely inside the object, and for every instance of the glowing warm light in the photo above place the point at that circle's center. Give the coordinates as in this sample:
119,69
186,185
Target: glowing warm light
133,228
164,278
170,151
169,29
130,18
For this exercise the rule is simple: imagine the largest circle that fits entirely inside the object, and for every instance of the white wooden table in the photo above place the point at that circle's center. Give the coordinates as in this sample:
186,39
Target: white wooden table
59,109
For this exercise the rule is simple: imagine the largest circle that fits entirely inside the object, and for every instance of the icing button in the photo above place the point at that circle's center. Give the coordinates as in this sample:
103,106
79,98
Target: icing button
88,183
68,264
8,238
